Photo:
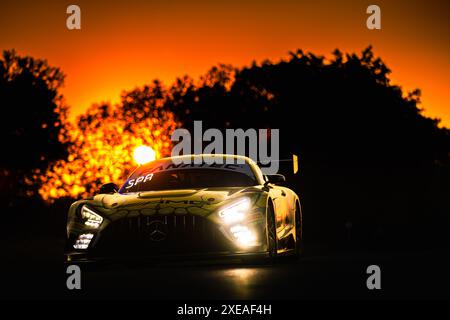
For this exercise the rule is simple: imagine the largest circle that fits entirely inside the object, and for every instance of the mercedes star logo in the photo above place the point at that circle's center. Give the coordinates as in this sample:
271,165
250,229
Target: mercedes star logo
157,230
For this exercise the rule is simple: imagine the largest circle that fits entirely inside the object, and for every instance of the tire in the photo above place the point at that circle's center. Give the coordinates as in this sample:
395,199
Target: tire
298,231
271,233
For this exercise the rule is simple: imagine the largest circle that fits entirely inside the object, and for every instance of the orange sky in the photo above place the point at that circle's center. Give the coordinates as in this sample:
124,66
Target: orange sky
128,43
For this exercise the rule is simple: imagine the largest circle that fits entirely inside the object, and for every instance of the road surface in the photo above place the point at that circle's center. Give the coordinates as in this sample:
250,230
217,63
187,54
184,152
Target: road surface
334,276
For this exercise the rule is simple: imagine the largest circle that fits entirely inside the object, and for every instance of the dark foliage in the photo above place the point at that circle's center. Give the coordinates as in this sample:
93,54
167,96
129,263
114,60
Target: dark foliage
373,168
32,115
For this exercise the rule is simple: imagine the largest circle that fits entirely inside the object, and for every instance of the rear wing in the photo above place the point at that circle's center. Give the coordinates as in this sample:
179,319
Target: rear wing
294,161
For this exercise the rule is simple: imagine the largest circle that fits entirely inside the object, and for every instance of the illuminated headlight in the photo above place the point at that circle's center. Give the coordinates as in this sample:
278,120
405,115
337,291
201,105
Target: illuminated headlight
91,218
243,235
83,241
235,212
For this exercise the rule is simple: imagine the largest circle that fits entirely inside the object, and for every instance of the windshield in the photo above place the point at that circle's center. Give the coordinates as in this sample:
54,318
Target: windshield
164,175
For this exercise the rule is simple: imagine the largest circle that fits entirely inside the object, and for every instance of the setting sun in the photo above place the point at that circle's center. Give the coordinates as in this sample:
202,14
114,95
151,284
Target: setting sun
143,154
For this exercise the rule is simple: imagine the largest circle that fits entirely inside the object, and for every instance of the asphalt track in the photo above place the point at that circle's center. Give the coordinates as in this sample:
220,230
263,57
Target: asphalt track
405,275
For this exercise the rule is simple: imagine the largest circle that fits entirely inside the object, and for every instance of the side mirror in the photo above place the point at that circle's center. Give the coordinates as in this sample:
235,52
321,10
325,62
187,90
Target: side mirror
275,179
108,188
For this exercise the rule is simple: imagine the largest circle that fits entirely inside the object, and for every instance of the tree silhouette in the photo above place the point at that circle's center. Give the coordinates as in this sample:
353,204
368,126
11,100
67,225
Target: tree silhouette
33,117
103,140
368,155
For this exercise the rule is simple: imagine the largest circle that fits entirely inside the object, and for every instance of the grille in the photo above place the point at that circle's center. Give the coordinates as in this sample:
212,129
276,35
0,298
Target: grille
161,234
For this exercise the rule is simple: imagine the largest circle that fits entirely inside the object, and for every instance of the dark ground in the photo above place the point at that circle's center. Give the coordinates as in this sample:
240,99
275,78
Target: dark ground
32,268
406,275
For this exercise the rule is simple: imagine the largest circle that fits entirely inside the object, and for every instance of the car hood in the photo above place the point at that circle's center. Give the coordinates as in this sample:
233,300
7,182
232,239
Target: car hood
188,201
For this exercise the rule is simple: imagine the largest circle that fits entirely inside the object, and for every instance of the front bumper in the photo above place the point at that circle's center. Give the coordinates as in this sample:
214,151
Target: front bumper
161,237
86,258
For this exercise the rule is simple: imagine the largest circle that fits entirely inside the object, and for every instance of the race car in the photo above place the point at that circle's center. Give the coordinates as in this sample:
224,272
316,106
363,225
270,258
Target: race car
188,206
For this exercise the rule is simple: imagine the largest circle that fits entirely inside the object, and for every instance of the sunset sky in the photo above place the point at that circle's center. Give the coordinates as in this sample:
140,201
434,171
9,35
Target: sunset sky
124,44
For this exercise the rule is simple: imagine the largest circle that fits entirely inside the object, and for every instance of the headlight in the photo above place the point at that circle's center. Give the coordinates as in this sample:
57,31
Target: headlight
83,241
91,218
235,212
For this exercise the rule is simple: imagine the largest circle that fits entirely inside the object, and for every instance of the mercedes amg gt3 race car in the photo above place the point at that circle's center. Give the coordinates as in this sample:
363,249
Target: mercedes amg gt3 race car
207,205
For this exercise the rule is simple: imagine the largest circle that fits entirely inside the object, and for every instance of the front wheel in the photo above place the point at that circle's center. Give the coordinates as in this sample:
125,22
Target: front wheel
298,231
271,233
271,239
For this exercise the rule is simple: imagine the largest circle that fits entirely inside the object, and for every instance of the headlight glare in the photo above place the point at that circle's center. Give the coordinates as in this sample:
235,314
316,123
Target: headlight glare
243,235
235,212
